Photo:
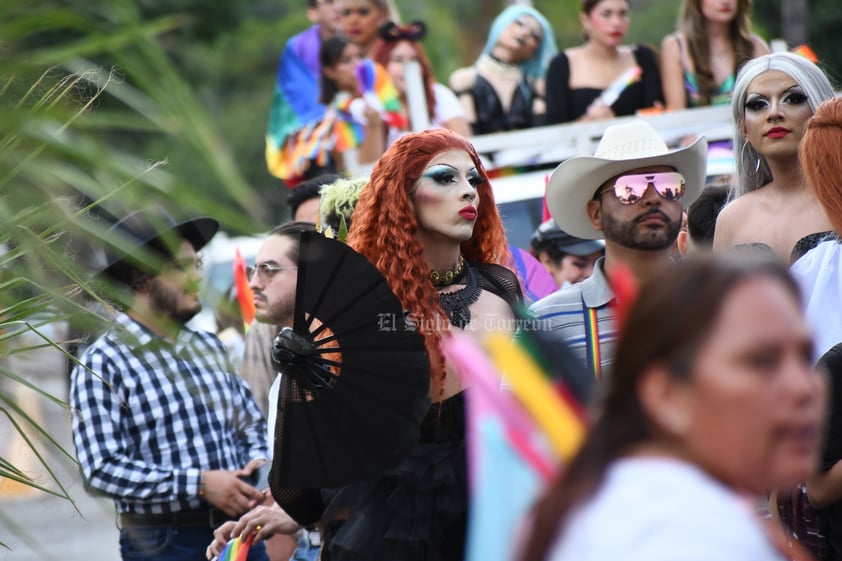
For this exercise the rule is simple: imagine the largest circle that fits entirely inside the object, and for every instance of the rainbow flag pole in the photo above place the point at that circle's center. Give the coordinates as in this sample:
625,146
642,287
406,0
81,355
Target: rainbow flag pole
245,297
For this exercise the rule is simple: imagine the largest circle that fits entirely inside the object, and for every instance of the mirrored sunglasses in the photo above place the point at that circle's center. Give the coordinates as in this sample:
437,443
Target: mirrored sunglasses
630,188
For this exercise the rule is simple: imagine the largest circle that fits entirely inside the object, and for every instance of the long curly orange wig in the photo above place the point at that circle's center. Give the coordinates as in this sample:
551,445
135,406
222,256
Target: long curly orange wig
384,228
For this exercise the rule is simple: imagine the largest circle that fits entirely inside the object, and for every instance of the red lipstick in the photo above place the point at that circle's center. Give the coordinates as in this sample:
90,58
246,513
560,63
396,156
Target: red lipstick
468,213
777,132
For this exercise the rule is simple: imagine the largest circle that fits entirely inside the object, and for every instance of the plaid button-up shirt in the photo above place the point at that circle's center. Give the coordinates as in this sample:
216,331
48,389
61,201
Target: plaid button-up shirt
149,416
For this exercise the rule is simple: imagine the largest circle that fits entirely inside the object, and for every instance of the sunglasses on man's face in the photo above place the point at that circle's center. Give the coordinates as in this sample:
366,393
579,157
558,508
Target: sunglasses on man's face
630,188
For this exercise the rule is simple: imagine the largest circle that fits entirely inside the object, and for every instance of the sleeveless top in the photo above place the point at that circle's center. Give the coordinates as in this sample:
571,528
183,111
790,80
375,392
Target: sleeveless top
490,115
722,94
565,104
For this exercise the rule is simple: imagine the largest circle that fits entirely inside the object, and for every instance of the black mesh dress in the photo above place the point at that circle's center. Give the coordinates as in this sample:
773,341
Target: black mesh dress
417,511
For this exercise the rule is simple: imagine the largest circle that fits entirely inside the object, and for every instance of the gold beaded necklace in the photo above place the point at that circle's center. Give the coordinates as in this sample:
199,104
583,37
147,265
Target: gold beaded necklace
444,278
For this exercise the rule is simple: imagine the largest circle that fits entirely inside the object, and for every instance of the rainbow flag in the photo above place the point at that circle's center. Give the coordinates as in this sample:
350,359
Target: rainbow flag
340,128
348,128
245,296
236,549
310,143
517,440
380,93
294,105
808,53
610,94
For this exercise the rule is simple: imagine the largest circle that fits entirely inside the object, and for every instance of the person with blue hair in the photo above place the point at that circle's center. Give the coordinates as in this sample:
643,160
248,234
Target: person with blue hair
504,89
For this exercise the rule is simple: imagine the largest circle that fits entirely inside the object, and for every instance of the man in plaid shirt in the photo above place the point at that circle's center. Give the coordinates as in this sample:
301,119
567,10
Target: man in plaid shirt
161,422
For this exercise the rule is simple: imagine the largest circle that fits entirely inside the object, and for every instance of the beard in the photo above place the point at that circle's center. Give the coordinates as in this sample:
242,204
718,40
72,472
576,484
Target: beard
165,300
278,313
633,236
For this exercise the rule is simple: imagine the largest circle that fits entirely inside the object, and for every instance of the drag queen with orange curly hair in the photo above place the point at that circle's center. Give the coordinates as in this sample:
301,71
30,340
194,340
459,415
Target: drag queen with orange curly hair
427,220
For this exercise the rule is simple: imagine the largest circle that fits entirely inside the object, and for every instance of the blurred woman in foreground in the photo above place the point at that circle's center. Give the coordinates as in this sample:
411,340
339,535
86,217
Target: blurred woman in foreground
705,408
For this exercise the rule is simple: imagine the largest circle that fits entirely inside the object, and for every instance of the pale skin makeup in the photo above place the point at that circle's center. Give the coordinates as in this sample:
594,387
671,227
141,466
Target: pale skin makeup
775,115
446,204
446,201
783,211
520,40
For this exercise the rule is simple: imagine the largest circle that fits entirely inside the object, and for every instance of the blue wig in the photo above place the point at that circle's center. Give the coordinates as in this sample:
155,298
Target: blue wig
536,67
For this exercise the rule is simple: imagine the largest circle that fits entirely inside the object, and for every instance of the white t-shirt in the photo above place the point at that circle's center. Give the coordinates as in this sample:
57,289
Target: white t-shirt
447,105
272,414
659,509
819,276
447,108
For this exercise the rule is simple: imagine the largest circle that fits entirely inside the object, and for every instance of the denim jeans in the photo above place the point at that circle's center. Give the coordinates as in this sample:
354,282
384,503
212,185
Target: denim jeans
164,543
305,551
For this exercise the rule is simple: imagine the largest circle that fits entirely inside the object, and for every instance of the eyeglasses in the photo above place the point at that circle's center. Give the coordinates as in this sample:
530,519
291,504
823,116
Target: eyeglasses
630,188
266,271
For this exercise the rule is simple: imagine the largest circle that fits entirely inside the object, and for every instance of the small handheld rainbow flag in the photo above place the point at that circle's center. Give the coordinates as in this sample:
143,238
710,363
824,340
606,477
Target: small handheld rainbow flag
808,53
610,94
380,93
236,549
348,130
244,294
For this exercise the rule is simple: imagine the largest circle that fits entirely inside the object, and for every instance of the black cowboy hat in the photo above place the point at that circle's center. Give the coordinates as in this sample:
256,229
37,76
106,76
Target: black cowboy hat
146,232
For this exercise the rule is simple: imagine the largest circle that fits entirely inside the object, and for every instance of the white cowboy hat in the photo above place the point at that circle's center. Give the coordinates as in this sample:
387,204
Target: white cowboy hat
622,148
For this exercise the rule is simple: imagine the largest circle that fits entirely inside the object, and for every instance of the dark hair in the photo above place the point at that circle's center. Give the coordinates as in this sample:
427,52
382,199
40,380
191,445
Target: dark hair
292,230
392,35
589,5
549,247
672,317
701,215
329,55
309,189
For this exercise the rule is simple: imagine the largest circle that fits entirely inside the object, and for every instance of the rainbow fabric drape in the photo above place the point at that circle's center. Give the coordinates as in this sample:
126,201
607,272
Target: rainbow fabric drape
341,128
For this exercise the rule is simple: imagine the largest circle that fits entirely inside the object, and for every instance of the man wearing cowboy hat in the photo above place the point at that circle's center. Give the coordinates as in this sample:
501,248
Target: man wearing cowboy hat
631,193
162,423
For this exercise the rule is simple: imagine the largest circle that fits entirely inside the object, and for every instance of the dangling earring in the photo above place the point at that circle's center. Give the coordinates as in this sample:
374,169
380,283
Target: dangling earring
743,159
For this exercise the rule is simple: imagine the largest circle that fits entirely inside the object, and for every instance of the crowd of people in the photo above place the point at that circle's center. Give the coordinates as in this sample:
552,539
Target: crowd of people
711,402
519,80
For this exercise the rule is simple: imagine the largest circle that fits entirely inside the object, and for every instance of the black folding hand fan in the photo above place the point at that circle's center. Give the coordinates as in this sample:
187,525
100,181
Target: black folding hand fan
355,377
